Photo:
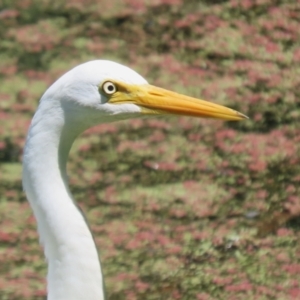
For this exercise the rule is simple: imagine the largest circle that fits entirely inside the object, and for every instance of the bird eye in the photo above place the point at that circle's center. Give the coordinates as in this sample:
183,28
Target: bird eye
109,88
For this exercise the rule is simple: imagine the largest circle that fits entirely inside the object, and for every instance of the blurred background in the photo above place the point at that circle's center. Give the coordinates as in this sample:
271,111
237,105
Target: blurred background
180,208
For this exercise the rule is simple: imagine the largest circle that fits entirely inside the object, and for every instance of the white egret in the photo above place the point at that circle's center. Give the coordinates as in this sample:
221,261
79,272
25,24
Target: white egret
90,94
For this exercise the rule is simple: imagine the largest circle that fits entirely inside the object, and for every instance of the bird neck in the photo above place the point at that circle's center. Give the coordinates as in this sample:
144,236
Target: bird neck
74,270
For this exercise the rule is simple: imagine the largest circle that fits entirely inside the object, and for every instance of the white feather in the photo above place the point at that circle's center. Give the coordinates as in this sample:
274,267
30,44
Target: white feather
71,105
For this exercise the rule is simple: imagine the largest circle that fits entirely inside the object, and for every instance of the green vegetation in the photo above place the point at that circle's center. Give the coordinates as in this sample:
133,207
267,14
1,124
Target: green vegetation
180,208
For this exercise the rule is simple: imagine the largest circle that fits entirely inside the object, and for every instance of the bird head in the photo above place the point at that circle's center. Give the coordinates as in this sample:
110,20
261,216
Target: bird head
104,91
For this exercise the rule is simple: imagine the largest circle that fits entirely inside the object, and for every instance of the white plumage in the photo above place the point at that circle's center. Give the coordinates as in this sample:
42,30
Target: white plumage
90,94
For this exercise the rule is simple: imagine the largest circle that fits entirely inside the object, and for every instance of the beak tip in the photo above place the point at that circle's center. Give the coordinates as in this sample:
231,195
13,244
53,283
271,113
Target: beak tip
242,116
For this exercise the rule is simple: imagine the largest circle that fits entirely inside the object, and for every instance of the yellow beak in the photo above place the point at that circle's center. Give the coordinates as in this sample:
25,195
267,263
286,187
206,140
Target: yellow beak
155,100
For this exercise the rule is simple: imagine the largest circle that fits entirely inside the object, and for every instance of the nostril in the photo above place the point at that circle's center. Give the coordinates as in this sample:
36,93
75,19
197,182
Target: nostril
155,94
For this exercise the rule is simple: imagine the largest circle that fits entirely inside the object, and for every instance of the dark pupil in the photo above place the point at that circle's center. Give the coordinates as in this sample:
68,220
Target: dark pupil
110,88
